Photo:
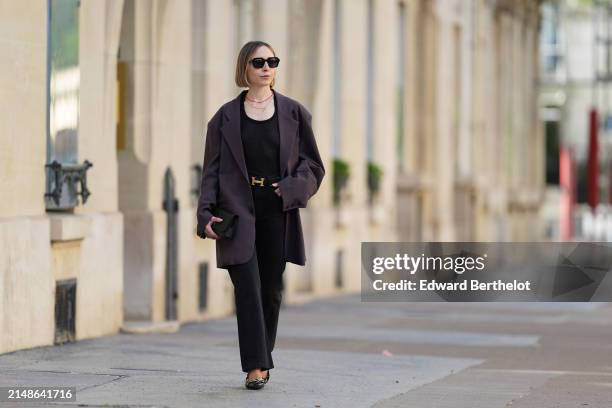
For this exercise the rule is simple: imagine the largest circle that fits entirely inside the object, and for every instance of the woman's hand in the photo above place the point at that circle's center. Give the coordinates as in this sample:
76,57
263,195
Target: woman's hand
277,190
209,231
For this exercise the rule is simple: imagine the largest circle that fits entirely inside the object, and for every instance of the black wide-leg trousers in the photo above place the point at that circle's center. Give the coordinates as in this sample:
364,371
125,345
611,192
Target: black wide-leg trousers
258,283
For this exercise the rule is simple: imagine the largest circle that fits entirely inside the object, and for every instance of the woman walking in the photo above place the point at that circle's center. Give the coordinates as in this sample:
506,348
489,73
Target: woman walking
261,164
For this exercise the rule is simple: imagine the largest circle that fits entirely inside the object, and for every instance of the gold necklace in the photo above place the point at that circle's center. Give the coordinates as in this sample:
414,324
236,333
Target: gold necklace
261,101
257,107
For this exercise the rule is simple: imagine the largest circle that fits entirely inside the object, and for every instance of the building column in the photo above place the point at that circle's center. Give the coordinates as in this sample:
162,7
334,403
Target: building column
214,54
319,221
445,152
27,284
385,115
272,26
156,51
353,142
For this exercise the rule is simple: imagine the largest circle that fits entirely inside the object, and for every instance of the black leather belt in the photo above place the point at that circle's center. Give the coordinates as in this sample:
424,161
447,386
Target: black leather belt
262,181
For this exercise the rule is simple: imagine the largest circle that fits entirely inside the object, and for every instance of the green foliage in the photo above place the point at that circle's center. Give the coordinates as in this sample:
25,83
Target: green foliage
374,175
341,175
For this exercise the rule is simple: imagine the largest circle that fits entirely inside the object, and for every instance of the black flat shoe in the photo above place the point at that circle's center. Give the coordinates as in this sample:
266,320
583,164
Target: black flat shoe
255,383
267,377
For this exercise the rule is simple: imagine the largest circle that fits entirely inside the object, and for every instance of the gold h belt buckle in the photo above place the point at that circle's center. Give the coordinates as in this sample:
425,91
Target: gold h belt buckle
255,181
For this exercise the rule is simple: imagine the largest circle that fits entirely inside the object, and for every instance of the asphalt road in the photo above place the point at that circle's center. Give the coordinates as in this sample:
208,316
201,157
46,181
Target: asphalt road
341,352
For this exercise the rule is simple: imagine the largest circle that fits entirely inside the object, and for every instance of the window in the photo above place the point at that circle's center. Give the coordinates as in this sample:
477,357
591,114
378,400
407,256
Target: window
551,41
63,82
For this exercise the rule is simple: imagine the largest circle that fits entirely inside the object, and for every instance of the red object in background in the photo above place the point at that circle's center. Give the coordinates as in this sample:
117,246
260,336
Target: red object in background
610,182
593,161
567,183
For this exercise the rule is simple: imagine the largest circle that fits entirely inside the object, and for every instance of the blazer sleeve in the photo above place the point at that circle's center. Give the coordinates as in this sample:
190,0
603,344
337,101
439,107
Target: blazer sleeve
209,184
296,189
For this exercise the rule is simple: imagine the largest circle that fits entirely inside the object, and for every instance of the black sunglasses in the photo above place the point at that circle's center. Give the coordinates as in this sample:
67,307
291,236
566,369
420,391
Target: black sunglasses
259,62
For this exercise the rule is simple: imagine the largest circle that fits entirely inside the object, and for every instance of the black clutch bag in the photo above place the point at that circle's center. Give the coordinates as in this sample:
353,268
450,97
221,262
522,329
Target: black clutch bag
227,227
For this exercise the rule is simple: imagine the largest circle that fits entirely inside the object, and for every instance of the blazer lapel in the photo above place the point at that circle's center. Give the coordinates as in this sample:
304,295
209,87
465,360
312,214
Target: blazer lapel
231,131
287,127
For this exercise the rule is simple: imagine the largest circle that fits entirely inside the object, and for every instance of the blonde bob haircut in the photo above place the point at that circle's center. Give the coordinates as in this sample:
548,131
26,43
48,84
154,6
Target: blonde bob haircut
243,60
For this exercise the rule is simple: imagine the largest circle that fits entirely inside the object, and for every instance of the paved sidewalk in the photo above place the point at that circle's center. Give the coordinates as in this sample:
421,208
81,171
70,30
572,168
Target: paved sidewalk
341,352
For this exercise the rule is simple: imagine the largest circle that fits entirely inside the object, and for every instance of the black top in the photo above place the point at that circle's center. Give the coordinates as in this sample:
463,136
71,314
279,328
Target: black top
261,142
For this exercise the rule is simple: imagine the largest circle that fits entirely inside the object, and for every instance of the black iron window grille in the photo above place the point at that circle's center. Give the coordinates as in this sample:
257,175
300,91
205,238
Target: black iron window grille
60,176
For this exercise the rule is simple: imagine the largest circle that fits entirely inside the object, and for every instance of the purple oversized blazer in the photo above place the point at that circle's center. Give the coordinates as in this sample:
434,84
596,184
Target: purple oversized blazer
225,180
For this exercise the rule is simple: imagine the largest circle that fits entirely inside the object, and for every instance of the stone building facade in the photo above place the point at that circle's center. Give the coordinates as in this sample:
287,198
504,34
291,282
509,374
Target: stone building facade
439,94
